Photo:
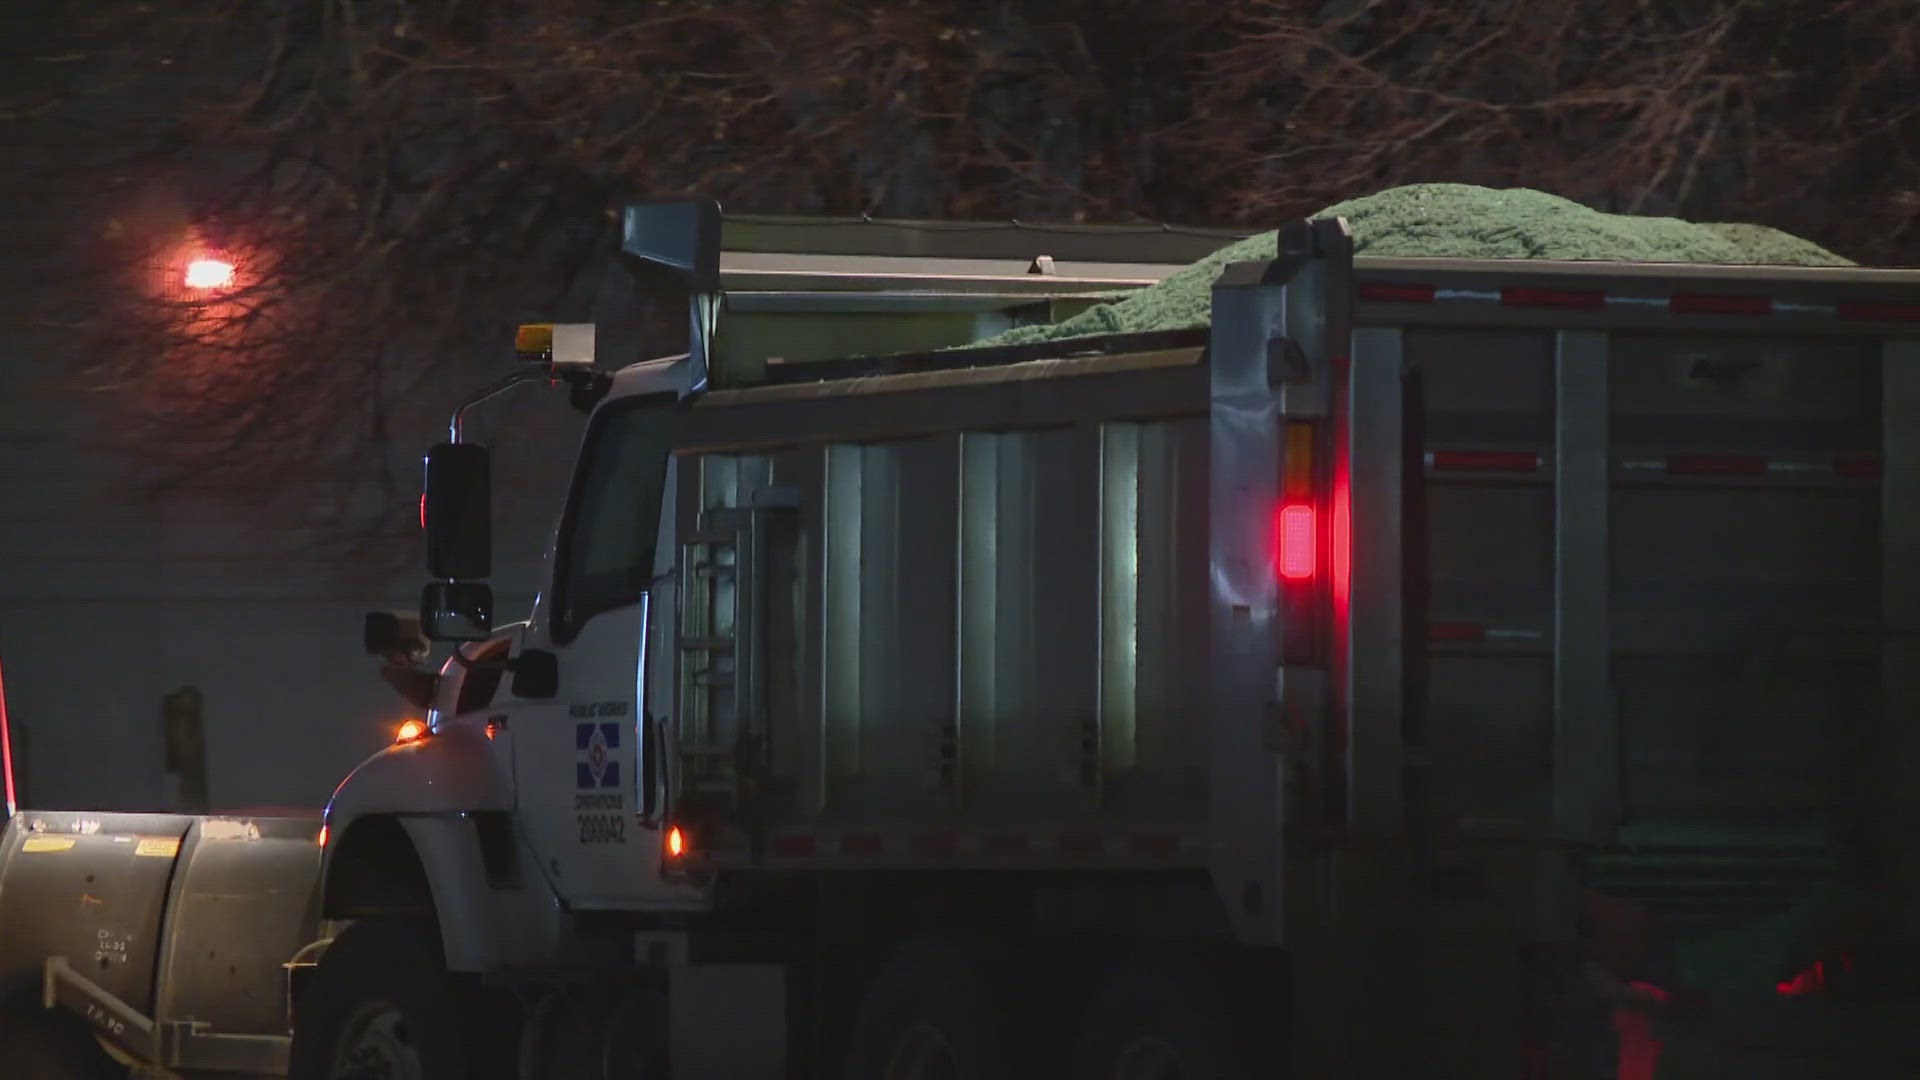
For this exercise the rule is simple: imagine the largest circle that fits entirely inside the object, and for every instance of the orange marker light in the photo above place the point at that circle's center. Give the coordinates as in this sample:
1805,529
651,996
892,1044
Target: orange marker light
409,731
676,842
322,840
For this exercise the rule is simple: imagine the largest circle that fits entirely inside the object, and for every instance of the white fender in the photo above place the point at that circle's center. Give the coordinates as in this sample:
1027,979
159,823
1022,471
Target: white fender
432,786
481,928
449,771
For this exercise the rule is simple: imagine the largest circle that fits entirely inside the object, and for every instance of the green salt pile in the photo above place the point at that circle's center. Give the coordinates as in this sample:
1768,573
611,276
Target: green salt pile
1458,221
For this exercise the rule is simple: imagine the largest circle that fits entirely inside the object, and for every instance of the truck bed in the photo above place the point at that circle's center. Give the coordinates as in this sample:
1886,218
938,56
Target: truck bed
1642,580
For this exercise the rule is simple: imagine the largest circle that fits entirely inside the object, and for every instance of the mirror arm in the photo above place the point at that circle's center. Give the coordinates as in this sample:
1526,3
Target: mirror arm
500,387
587,388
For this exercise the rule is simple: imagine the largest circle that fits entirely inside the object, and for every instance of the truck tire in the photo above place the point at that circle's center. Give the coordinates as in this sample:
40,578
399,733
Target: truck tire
1158,1025
38,1044
929,1014
380,1007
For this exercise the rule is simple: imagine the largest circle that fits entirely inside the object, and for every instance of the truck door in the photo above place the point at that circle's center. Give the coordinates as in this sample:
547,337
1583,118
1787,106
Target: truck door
585,759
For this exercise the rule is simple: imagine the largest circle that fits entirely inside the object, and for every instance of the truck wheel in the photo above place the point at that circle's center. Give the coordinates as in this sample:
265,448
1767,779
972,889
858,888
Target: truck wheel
380,1007
928,1015
1156,1026
38,1044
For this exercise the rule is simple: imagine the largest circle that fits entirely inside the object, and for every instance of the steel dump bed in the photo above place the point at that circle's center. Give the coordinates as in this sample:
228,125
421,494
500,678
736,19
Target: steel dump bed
1631,548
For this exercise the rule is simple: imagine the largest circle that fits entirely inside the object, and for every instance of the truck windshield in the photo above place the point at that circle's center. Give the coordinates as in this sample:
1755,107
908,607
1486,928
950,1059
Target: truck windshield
613,519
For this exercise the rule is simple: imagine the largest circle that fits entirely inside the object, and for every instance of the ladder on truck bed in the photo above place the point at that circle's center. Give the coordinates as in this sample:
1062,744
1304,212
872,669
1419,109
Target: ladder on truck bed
723,706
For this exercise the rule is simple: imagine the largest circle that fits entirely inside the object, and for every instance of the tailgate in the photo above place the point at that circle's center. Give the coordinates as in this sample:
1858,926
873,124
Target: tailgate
1661,530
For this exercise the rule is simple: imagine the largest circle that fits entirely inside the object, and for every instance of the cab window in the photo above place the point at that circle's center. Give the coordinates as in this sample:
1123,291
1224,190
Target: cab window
613,518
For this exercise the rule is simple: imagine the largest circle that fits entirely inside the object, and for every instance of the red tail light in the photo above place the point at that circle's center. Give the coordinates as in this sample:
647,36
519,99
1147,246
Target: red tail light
1298,542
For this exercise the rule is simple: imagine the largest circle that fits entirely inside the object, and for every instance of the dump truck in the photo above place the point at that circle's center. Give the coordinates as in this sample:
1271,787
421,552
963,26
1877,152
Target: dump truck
1431,667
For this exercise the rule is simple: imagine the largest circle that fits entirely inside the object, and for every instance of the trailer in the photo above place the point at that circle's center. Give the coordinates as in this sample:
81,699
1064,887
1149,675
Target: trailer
1430,667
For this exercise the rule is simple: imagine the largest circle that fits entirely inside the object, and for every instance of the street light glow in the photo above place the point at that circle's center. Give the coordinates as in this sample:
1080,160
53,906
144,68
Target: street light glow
209,274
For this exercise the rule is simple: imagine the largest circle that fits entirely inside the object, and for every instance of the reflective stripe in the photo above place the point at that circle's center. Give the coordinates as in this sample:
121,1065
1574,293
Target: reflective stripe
1845,466
790,847
1710,304
862,844
1082,843
1527,296
1858,466
1514,461
951,845
1467,633
1715,465
939,845
1405,292
1159,844
1383,292
1881,312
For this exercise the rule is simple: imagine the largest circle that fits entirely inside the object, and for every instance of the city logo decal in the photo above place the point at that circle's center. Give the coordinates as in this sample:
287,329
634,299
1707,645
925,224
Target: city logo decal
594,766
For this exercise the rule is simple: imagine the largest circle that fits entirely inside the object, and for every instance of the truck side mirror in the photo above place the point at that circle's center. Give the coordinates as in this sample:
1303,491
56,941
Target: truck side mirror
457,611
458,512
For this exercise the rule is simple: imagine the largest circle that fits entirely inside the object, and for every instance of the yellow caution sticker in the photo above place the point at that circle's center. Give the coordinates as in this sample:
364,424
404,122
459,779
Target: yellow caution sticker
158,847
47,843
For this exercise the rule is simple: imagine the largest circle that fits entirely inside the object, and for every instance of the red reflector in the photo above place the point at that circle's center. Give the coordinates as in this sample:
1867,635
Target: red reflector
1299,556
1883,312
1381,292
1715,465
1157,844
1082,844
936,845
1456,632
1556,298
862,844
423,510
1709,304
1483,461
1857,467
793,847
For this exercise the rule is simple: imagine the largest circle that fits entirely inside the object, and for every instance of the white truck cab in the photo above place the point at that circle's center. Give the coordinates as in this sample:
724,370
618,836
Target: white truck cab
554,720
